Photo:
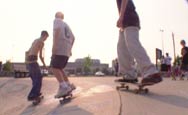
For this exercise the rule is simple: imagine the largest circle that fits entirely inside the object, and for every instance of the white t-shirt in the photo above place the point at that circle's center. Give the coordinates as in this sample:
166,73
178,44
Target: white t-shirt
168,60
65,39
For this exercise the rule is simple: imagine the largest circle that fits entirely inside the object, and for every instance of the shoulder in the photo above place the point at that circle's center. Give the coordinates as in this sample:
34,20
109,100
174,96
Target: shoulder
39,41
57,22
65,24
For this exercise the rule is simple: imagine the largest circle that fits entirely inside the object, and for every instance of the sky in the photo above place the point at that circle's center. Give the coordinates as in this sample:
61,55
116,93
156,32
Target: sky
93,23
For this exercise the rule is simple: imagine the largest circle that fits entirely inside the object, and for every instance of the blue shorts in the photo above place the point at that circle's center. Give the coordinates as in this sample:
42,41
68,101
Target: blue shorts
59,61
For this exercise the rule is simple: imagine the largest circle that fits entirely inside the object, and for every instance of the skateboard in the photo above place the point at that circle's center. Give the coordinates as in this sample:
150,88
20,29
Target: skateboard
37,100
125,85
65,98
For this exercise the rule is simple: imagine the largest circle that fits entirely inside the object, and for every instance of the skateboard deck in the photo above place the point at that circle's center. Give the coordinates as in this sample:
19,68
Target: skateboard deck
125,85
37,100
65,98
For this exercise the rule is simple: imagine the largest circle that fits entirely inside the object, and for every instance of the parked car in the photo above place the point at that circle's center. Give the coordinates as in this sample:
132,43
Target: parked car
99,73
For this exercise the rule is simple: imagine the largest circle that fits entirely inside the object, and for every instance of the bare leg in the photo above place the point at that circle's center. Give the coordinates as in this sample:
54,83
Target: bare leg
58,74
64,76
72,86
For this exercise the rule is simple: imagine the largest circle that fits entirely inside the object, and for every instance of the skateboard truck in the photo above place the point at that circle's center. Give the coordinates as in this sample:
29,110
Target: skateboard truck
124,85
65,98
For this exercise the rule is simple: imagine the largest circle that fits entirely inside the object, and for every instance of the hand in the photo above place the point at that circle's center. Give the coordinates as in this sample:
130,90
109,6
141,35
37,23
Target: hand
120,22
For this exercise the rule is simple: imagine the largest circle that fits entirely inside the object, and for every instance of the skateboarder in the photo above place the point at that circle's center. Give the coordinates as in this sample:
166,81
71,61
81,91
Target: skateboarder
168,64
129,47
184,53
63,40
33,66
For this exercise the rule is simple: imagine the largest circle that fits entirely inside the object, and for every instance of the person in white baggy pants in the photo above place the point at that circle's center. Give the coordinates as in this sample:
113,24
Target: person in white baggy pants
129,48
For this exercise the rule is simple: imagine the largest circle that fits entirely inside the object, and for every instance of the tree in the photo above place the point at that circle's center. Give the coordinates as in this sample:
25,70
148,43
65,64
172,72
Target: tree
87,65
7,66
177,61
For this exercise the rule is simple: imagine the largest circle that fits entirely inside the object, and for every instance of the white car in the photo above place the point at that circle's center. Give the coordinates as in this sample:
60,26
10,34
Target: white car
99,73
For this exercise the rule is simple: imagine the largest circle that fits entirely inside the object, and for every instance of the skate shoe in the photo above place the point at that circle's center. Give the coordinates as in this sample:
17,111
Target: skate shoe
152,79
128,78
72,86
62,91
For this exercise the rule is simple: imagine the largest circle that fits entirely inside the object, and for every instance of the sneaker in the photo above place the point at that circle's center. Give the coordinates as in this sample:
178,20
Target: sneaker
62,91
152,79
72,86
33,98
128,78
30,98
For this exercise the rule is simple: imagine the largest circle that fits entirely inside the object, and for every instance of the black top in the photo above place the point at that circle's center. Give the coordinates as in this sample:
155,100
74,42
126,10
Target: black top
131,17
185,57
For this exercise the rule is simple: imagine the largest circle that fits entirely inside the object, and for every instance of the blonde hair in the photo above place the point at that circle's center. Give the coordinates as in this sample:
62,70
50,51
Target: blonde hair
59,15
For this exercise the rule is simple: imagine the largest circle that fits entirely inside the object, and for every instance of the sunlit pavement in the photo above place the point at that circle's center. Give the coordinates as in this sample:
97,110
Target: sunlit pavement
94,95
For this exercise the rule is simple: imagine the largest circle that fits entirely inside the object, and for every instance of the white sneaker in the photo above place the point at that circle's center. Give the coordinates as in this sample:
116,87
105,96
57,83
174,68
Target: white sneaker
129,78
62,91
72,86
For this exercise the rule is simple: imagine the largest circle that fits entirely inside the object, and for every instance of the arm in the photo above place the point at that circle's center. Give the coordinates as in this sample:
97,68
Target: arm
121,13
183,51
41,56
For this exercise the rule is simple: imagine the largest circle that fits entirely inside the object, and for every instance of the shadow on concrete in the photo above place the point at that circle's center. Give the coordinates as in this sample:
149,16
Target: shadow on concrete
175,100
60,109
30,110
69,110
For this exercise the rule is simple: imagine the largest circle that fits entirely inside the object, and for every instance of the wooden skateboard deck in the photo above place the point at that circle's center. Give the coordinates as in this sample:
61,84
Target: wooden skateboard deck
125,85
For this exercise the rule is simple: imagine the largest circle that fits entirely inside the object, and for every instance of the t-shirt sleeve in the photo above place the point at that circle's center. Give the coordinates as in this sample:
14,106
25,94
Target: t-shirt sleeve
68,32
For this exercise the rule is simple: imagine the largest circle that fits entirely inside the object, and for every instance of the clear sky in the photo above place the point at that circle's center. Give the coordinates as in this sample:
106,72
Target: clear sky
94,24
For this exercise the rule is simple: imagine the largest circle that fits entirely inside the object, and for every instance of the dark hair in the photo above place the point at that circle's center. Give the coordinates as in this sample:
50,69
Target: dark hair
43,33
182,41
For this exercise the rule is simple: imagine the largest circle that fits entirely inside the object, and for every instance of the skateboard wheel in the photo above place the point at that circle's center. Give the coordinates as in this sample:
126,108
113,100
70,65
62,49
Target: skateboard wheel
61,102
136,91
146,90
36,102
127,87
117,87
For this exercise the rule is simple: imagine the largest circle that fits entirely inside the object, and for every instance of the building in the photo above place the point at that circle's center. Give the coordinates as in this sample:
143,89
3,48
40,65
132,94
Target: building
77,67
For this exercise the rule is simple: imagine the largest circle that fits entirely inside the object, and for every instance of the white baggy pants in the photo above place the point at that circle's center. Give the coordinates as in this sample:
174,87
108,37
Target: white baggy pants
129,49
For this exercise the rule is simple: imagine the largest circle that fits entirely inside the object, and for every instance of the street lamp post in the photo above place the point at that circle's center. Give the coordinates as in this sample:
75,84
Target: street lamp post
174,47
161,30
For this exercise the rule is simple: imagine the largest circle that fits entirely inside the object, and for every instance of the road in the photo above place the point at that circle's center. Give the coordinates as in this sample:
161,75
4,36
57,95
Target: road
94,95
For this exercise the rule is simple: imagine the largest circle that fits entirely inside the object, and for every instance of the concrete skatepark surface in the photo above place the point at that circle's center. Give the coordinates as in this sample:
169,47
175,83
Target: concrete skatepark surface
94,96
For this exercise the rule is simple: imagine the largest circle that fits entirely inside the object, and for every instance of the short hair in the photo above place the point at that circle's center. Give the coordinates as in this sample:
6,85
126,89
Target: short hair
59,15
43,33
182,41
